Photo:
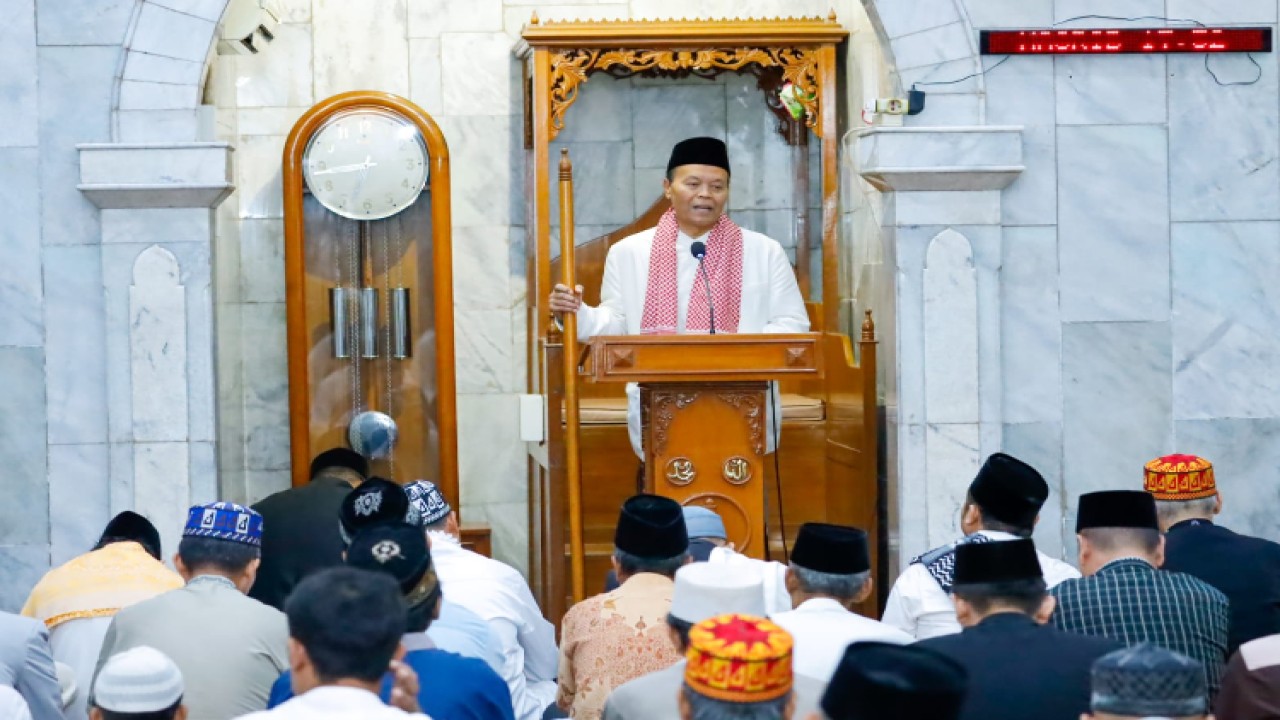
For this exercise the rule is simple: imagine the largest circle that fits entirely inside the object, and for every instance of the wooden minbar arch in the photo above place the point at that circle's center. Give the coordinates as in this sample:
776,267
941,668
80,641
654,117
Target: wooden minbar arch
831,469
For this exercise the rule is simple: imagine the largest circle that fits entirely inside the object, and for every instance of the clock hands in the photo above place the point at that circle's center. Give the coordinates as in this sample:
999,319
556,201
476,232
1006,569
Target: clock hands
364,175
364,167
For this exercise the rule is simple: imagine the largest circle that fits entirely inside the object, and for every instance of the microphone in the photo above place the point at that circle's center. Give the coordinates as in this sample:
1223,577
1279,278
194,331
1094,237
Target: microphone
699,251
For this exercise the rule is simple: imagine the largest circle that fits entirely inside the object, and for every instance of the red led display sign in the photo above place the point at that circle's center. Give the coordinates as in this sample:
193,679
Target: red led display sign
1105,41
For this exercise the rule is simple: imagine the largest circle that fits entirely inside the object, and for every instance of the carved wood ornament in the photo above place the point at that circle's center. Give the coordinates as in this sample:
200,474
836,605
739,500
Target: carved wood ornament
570,68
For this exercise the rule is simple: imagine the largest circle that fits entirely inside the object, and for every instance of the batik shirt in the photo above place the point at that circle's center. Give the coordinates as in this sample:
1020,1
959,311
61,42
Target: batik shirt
1131,601
611,639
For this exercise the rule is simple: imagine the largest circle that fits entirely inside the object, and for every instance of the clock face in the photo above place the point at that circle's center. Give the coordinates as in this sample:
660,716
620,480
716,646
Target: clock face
366,164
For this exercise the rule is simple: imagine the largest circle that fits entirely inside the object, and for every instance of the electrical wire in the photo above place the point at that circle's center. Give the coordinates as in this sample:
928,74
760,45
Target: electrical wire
777,479
983,71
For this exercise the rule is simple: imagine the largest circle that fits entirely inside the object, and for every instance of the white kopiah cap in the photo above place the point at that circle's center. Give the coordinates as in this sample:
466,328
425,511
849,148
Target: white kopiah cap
139,680
705,590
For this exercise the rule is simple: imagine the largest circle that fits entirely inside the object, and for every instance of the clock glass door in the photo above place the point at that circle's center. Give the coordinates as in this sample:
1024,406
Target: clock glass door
370,309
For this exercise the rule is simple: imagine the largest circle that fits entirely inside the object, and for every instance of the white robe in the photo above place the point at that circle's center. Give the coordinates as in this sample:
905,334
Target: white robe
918,606
771,300
822,628
500,596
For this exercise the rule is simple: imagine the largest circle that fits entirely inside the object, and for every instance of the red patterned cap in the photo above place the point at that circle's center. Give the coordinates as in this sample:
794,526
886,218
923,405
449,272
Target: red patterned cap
1180,477
739,658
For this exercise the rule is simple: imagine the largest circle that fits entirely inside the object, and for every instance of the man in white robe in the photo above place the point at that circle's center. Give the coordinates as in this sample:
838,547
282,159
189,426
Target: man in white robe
1003,503
830,573
748,276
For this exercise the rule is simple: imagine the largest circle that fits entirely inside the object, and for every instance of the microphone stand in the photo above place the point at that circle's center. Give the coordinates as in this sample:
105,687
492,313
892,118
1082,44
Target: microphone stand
699,251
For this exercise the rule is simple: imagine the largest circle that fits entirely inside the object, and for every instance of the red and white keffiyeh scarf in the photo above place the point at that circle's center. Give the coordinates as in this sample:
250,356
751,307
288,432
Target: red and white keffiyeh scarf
724,267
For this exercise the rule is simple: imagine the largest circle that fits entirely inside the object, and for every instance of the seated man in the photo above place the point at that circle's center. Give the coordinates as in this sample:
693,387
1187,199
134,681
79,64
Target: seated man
1146,681
138,684
1245,569
457,629
299,536
345,627
499,594
1124,596
702,591
450,686
1018,667
1003,503
1251,682
618,636
830,573
738,666
229,647
77,599
882,681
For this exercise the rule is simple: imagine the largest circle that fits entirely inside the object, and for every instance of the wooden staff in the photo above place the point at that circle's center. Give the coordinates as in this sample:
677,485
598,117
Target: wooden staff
573,458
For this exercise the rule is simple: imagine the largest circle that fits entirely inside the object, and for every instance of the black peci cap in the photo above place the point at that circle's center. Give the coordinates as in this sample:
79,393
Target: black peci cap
833,549
1009,490
699,151
996,562
1117,509
878,681
651,526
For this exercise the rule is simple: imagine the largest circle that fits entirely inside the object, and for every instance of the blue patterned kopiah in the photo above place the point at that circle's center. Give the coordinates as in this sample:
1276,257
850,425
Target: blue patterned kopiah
224,521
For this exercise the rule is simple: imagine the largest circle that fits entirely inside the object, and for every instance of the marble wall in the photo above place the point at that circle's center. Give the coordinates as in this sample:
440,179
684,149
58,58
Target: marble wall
1133,318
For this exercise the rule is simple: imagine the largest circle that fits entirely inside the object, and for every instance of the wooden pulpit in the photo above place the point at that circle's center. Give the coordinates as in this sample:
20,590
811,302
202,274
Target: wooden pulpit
704,402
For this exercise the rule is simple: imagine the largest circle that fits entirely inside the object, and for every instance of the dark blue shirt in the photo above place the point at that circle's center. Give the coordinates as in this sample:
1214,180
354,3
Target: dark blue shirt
450,687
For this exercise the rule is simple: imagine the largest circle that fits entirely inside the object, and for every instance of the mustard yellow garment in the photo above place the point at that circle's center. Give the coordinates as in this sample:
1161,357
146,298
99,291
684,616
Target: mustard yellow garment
99,583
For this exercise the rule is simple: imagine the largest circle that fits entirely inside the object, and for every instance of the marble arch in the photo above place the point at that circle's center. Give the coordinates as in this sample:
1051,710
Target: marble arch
158,89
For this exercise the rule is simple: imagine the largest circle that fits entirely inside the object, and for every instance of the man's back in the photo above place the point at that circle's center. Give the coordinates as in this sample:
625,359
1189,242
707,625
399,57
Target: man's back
230,648
334,702
1018,669
1131,601
498,594
299,536
920,601
1245,569
610,639
822,628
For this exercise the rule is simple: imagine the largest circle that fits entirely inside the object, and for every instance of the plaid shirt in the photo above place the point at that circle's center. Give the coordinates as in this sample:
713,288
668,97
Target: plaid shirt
1131,601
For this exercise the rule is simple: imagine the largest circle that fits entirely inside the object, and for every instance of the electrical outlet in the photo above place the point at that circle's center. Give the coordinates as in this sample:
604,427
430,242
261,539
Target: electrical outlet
891,106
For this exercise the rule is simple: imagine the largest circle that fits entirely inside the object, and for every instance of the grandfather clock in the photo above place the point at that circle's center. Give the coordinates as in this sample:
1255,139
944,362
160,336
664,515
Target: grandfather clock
369,283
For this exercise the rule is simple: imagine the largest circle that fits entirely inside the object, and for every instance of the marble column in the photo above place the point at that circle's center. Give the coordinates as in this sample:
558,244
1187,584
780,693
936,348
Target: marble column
157,205
943,238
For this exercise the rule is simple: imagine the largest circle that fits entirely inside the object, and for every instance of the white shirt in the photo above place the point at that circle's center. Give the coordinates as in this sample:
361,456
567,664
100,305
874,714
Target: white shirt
822,628
771,300
499,594
12,706
773,576
336,702
918,606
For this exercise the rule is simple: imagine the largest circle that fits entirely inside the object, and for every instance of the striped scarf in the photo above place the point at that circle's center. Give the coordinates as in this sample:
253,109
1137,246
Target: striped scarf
724,267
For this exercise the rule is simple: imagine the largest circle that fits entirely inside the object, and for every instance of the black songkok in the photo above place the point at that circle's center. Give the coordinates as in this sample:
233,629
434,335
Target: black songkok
996,562
876,680
833,549
1148,681
1117,509
375,502
1009,490
340,458
699,151
130,526
401,551
651,526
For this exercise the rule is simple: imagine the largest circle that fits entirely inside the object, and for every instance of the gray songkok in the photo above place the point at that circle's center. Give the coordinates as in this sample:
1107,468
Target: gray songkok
138,680
1146,680
426,505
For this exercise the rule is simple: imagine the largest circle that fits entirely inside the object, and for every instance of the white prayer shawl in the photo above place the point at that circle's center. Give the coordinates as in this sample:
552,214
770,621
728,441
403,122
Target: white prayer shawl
918,606
771,300
499,595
